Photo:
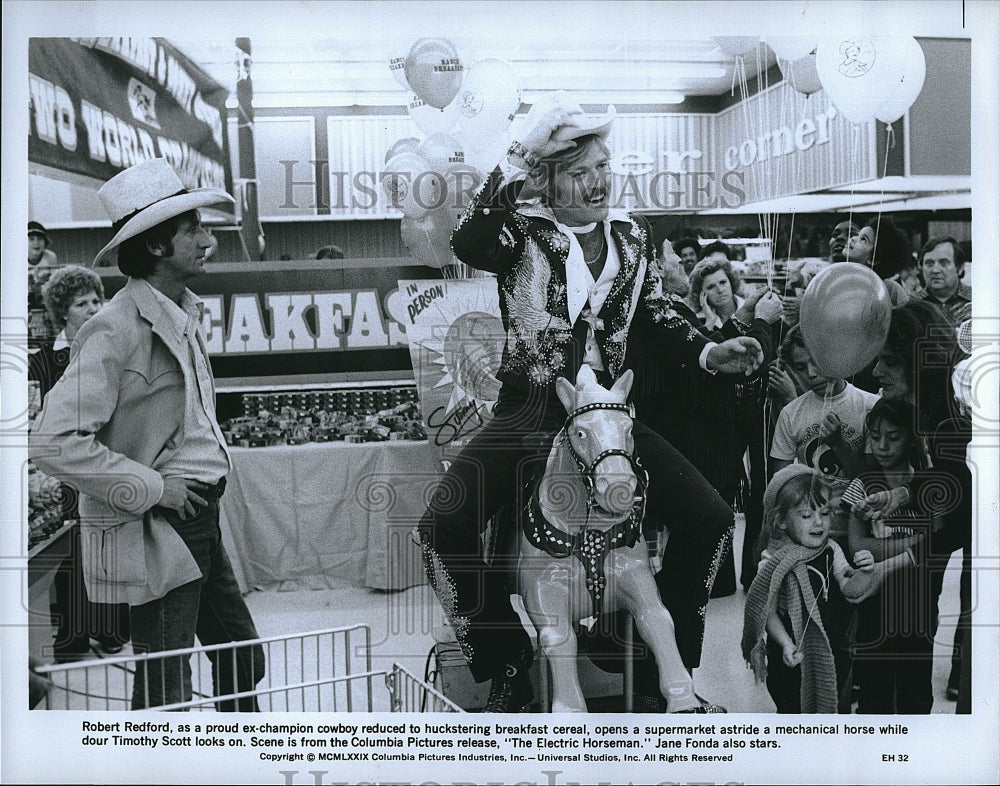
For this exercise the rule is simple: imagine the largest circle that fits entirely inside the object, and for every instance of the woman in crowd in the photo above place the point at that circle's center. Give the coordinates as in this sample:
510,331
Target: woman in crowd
916,365
72,295
716,287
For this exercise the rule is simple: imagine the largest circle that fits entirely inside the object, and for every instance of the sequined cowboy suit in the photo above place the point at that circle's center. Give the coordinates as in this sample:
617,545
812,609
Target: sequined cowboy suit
527,250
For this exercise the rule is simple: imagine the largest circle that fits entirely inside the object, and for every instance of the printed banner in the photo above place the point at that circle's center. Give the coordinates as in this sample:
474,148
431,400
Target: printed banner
99,105
456,344
305,320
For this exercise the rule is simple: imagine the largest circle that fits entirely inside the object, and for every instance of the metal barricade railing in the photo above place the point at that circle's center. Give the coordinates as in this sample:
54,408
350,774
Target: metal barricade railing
328,670
320,671
409,693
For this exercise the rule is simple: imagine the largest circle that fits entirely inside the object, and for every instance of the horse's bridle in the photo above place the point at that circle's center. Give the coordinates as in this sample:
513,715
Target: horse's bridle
590,546
587,471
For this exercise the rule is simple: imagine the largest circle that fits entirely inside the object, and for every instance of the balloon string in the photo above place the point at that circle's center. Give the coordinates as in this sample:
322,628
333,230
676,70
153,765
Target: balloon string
890,143
740,69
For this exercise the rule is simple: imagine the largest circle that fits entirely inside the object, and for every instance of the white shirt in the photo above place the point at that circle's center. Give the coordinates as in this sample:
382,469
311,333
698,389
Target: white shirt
203,454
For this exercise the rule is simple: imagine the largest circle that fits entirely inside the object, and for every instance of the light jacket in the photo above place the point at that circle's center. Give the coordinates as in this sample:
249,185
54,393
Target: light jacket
114,418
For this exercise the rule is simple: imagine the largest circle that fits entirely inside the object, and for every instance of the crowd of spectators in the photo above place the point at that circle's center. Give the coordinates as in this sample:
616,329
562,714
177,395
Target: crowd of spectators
896,430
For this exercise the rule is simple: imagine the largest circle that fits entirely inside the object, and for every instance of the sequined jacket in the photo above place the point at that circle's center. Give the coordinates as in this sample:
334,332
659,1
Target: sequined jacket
522,245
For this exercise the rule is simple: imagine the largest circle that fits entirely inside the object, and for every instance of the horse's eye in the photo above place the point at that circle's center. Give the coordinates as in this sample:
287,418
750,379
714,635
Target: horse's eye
581,434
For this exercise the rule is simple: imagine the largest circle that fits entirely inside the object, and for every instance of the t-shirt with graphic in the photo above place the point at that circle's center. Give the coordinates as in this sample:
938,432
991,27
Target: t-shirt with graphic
796,434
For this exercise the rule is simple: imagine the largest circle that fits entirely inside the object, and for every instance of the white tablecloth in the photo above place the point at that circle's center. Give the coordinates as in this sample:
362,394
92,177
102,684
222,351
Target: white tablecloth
327,515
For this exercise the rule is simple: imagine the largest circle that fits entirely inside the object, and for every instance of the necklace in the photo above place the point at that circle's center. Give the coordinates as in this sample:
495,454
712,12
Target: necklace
597,257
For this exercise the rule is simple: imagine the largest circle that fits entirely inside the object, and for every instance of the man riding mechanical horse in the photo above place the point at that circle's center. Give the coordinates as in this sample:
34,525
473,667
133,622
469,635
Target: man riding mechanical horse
573,277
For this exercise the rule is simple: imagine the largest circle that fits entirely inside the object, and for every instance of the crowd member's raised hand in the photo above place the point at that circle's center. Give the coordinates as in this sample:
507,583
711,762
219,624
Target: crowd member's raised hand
864,560
769,307
830,429
780,384
790,309
762,304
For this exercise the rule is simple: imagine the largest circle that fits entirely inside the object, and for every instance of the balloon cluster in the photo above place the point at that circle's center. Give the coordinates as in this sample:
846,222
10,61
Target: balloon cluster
867,77
872,77
465,115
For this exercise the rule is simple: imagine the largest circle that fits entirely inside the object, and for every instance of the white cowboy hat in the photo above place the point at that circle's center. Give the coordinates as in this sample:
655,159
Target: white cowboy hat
579,125
583,125
148,194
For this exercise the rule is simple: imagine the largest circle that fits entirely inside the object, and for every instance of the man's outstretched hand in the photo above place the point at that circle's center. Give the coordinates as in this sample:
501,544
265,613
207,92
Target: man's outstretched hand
740,355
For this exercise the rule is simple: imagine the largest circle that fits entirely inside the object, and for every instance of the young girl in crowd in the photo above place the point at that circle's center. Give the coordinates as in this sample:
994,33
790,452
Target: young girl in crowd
797,613
896,625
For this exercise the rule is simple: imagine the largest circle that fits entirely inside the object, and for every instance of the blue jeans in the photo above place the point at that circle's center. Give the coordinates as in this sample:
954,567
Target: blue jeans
210,607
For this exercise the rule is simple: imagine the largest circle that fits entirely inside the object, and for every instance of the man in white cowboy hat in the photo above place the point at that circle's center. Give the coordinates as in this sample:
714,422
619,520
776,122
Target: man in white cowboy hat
572,278
132,425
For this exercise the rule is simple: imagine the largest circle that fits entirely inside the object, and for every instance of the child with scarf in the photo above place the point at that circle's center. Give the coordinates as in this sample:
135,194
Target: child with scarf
797,606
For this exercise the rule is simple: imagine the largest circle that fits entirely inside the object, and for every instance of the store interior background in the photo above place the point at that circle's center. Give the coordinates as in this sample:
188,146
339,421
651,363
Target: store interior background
303,90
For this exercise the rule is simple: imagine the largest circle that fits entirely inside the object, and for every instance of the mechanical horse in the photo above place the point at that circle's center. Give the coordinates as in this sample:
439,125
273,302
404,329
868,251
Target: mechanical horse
581,552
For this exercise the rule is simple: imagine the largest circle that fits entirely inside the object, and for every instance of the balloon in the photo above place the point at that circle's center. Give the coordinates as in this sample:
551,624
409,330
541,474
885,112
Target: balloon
790,47
411,185
844,316
440,150
429,119
484,154
434,71
405,145
488,100
862,74
910,85
737,45
802,75
397,64
462,182
429,238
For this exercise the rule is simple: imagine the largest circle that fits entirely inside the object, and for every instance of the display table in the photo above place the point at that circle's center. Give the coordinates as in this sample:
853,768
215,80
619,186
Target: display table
327,515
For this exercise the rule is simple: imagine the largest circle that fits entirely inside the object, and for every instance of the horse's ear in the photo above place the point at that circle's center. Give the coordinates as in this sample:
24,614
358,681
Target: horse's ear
566,393
585,377
623,384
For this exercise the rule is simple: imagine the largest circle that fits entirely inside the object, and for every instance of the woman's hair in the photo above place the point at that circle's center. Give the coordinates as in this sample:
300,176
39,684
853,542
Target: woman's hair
134,257
67,284
703,270
892,252
716,247
899,413
923,337
803,488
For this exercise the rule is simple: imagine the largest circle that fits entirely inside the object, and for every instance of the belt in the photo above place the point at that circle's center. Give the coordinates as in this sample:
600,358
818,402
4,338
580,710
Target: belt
214,491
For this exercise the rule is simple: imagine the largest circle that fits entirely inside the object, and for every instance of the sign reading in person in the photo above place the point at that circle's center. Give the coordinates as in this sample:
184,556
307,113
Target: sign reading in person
456,343
99,105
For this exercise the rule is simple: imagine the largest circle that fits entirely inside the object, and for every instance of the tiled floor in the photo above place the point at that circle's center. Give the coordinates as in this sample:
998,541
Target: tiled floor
404,626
